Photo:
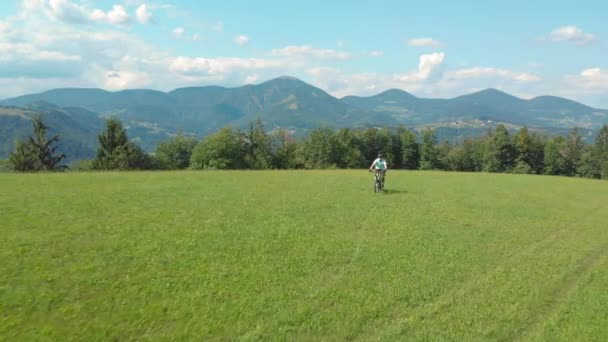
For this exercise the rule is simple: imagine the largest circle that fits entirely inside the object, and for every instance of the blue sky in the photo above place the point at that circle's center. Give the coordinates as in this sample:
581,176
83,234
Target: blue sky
431,48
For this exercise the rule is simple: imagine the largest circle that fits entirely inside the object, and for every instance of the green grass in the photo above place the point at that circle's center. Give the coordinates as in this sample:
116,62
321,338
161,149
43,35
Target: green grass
304,255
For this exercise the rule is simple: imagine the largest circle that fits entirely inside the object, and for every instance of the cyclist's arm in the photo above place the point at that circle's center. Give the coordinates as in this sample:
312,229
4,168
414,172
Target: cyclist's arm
373,163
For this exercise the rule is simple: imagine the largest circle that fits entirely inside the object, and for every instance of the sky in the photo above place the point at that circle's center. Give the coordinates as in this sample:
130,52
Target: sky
433,48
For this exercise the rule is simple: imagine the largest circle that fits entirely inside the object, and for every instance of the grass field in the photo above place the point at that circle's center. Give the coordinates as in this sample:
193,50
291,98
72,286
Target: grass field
302,255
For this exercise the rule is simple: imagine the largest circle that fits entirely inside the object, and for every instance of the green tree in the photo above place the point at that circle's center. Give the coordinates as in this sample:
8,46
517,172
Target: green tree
21,159
323,149
284,150
589,166
478,153
410,150
384,144
4,165
175,153
600,152
490,161
222,150
523,146
38,153
369,144
429,154
594,161
573,152
396,147
536,156
116,152
444,149
504,149
460,157
529,152
351,145
258,147
555,163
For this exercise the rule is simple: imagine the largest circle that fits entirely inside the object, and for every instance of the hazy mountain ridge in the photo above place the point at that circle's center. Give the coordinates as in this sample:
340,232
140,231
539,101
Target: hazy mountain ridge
152,116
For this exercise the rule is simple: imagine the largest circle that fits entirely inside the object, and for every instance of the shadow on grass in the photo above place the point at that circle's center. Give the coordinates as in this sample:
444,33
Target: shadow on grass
394,192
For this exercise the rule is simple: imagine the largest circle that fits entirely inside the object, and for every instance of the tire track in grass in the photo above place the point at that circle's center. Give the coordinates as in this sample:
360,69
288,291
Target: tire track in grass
446,299
560,296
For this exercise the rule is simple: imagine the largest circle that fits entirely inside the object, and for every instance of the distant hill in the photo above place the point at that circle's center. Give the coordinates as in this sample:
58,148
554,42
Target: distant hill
285,102
78,129
489,104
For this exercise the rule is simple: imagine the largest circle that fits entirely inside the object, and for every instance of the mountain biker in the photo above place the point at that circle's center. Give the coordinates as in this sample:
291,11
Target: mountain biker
379,165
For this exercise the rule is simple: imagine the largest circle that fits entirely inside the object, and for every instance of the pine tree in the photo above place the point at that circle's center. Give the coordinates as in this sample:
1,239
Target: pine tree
38,153
21,159
116,152
43,151
504,148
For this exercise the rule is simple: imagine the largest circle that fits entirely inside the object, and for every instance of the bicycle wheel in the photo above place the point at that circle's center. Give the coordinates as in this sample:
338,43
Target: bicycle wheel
376,185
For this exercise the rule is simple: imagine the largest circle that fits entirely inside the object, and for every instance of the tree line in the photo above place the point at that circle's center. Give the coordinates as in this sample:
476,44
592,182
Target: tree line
254,148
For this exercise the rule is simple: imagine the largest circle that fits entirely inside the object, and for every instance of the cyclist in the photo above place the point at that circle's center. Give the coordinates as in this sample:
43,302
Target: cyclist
380,165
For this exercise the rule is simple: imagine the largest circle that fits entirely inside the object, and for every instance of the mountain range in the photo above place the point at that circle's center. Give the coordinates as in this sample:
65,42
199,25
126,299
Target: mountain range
78,114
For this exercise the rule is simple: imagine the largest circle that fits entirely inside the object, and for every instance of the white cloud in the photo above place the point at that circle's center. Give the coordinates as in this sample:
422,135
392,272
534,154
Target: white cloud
118,80
200,66
66,11
572,34
143,14
241,40
27,60
71,12
98,15
339,83
376,53
477,72
307,51
178,32
592,80
424,42
428,66
86,55
252,79
118,15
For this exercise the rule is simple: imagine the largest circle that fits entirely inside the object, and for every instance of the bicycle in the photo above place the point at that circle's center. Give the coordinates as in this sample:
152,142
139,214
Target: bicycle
378,180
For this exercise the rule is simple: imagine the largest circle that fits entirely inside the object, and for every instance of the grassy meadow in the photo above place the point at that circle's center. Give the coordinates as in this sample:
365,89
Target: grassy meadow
302,255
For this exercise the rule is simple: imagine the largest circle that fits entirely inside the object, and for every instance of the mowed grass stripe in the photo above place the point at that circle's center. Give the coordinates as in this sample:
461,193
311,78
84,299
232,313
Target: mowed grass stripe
519,293
296,255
